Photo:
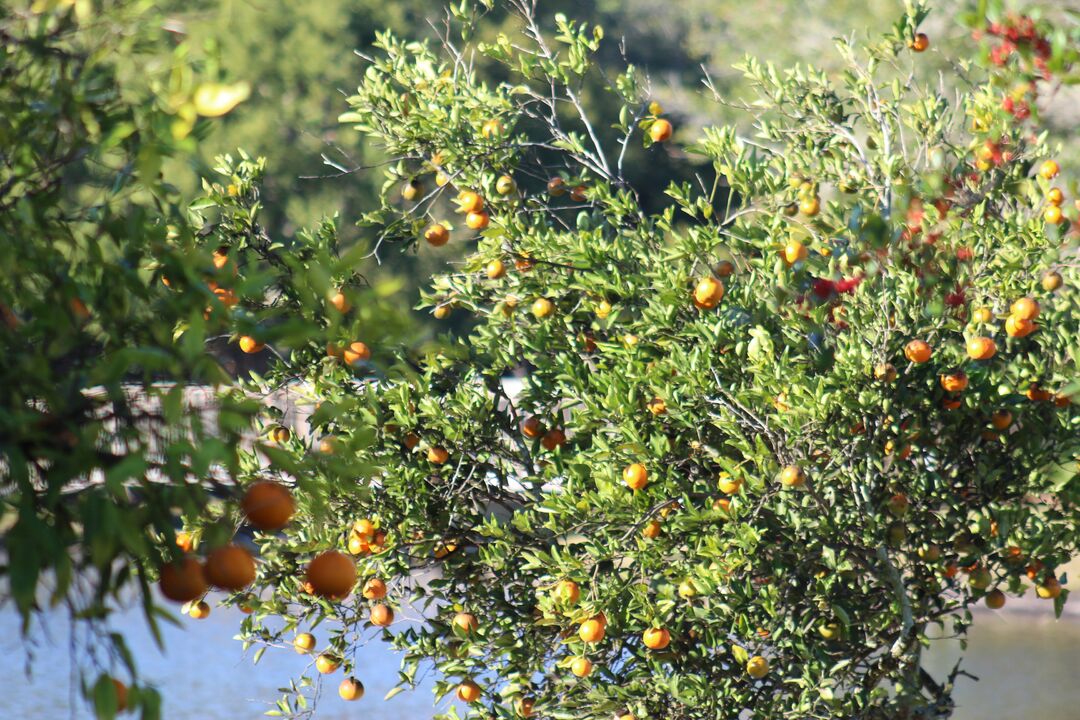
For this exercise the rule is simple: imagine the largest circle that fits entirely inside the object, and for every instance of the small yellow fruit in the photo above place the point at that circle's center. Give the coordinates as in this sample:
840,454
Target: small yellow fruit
468,692
708,293
542,308
411,190
1049,169
327,663
603,309
660,130
757,667
794,251
581,666
810,206
636,476
792,476
728,484
351,689
495,270
505,185
437,235
656,638
304,643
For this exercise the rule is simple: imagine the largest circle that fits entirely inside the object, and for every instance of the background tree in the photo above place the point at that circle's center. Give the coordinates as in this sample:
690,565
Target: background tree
115,317
768,436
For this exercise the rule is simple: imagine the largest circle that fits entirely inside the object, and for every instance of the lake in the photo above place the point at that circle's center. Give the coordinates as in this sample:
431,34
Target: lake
1029,665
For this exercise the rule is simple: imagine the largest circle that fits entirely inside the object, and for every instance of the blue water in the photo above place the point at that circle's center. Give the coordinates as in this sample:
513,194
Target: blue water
1030,666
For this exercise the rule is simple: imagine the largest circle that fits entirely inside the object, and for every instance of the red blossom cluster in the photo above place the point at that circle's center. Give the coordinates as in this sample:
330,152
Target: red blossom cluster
1018,37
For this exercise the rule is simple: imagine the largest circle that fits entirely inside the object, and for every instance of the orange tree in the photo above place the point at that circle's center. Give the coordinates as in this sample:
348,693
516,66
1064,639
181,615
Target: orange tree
765,440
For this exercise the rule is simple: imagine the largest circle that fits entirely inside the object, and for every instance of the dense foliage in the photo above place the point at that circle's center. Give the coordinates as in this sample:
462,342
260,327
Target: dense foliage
767,437
733,446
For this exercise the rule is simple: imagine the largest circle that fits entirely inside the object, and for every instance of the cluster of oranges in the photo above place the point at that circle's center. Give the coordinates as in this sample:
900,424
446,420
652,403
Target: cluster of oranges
267,506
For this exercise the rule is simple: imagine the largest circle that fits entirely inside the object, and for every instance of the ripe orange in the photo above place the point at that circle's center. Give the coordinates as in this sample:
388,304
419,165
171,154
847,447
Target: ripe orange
635,476
1025,308
332,575
1049,169
381,615
477,220
567,592
410,441
553,438
1051,281
364,527
268,505
579,194
374,589
920,43
542,308
656,638
303,643
1055,196
327,663
1053,215
339,301
556,187
532,427
441,312
221,257
810,206
725,268
182,581
708,293
505,185
591,631
230,567
495,270
981,348
995,599
280,435
199,610
351,689
982,315
468,692
328,445
657,406
917,351
1018,327
581,666
886,372
792,476
469,202
794,251
250,345
660,130
438,455
602,309
757,667
954,382
357,352
466,623
729,485
436,234
651,530
1001,419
